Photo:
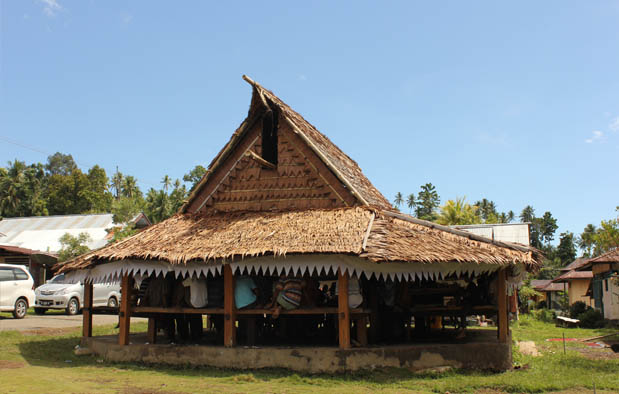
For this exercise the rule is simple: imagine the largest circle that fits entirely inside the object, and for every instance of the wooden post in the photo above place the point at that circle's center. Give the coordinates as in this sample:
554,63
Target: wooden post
125,310
374,320
502,321
152,330
229,308
87,311
251,331
343,310
362,330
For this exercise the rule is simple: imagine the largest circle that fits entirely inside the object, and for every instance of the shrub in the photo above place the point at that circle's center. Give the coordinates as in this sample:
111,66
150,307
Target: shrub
591,318
545,315
577,309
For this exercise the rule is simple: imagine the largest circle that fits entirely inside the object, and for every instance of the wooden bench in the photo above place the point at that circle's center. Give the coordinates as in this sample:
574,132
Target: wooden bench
359,316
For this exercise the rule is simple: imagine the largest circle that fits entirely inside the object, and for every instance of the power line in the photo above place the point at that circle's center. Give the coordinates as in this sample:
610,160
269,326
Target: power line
81,164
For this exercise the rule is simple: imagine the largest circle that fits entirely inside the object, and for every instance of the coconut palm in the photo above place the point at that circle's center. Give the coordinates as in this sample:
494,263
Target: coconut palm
117,182
410,202
398,200
166,181
458,212
130,187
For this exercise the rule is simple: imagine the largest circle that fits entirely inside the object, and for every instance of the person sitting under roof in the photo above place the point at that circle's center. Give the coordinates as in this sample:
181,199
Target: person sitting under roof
245,292
287,294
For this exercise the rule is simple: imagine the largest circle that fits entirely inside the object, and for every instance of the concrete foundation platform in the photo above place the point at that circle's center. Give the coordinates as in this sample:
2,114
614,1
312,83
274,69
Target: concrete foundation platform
480,350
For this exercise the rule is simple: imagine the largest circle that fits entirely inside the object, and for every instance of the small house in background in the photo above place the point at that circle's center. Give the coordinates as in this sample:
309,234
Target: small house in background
517,233
605,283
34,241
550,292
514,233
36,261
577,282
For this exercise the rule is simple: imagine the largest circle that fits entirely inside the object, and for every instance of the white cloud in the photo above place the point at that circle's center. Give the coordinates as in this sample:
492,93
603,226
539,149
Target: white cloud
597,136
614,124
51,7
126,18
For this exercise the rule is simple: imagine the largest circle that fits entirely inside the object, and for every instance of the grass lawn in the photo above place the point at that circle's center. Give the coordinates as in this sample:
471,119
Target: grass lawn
46,364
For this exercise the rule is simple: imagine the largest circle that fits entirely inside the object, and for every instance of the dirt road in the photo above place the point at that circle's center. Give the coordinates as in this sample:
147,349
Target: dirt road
54,321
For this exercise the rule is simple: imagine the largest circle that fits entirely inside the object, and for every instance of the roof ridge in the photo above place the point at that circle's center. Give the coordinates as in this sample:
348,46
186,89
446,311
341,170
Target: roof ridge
364,191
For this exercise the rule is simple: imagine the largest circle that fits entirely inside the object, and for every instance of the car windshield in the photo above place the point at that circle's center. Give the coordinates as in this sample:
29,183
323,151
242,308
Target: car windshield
57,279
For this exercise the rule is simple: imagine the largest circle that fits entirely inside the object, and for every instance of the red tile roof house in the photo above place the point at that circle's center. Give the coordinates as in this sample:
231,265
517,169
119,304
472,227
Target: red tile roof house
605,283
578,282
550,292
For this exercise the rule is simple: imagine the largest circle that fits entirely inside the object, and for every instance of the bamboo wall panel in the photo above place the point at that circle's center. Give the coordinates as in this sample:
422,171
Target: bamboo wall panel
299,181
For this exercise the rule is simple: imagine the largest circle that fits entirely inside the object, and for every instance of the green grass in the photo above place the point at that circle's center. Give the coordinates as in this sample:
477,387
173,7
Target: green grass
36,364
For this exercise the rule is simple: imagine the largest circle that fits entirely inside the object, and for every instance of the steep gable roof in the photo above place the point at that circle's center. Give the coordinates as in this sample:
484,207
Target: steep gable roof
346,170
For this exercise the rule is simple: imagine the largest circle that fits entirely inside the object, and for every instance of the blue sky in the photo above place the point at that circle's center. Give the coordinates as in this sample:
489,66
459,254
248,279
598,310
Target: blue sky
517,103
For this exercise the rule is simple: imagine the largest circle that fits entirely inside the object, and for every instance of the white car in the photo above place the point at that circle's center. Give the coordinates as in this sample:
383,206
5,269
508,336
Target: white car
16,293
56,294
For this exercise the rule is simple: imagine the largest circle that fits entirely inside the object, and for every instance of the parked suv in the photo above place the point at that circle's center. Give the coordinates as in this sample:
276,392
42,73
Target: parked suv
16,292
56,294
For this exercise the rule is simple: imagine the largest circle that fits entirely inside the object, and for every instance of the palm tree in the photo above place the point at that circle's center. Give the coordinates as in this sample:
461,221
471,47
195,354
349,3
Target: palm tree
117,182
458,212
398,200
166,181
130,187
527,214
410,202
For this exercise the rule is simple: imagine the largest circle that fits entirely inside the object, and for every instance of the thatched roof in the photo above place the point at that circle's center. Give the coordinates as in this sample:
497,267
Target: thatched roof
342,166
370,233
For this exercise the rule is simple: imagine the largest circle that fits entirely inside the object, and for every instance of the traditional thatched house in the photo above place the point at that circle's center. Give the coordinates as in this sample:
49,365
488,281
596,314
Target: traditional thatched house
281,198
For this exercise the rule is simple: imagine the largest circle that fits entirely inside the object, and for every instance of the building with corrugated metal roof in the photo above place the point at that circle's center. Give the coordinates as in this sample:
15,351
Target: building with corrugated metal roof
34,241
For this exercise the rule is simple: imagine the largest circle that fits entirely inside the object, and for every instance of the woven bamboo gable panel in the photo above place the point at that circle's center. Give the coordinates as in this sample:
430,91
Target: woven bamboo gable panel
294,184
342,183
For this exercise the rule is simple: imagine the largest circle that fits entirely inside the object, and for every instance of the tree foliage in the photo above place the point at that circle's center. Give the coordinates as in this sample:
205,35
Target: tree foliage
427,202
195,175
566,251
458,211
60,164
73,246
398,200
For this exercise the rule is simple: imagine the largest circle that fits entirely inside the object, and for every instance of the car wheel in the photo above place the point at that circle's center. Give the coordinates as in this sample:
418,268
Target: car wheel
112,302
40,311
73,307
21,308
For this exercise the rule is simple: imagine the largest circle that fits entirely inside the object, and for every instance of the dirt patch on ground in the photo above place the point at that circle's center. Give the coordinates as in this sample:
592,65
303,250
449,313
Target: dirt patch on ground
528,348
4,364
593,353
49,331
140,390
